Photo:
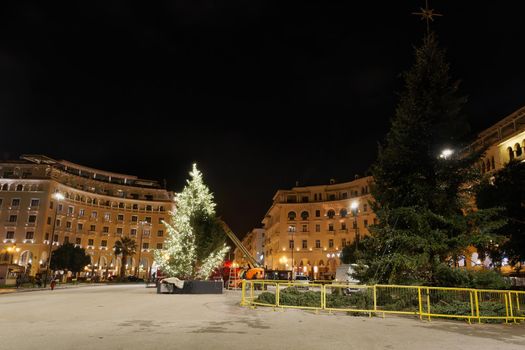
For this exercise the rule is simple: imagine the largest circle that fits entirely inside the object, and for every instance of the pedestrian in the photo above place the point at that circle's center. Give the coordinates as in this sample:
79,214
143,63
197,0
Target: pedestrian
18,281
38,280
53,283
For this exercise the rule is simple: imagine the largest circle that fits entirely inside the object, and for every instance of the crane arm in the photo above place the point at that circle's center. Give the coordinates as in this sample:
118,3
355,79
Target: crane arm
239,245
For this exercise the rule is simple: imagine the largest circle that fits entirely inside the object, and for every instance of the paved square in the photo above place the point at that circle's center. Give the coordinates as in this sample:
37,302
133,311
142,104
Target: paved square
134,317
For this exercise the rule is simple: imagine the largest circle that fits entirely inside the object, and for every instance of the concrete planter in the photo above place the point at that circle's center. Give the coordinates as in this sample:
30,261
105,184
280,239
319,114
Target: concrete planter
192,287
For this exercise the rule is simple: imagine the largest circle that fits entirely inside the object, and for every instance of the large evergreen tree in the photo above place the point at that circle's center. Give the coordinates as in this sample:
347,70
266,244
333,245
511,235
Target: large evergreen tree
420,196
196,242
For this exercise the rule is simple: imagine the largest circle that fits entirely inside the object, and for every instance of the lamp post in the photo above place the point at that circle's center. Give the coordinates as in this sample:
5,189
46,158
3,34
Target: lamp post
355,209
58,196
140,246
293,248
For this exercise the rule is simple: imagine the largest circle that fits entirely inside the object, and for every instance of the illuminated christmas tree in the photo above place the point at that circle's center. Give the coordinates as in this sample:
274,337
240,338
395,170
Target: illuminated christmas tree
196,240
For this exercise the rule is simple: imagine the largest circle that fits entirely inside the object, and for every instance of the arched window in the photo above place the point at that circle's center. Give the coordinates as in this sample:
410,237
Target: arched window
77,197
517,149
330,213
291,215
343,213
4,187
19,187
511,153
305,215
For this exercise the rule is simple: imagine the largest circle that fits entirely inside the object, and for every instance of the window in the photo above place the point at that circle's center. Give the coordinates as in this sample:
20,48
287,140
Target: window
134,218
317,213
315,197
135,206
161,220
305,244
58,222
148,219
119,230
332,197
19,187
66,239
146,233
320,197
60,207
13,218
81,212
159,245
55,238
80,227
343,226
318,243
330,227
291,228
107,217
365,223
330,243
78,240
517,149
50,205
345,195
305,215
10,235
133,232
148,207
31,218
49,220
343,242
94,214
35,202
330,214
511,154
1,200
68,224
4,187
291,244
343,212
105,229
145,245
291,216
15,202
354,225
317,227
91,242
46,238
30,235
305,228
103,243
70,210
160,233
120,217
92,228
365,207
121,205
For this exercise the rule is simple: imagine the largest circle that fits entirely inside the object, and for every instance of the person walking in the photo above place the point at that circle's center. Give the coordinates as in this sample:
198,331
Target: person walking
53,283
18,281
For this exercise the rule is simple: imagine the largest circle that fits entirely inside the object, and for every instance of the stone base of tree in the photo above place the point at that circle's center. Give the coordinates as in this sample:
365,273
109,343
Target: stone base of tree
192,287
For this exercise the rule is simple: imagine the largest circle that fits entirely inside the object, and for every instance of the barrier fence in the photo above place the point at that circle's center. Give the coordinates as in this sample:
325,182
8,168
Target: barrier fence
425,302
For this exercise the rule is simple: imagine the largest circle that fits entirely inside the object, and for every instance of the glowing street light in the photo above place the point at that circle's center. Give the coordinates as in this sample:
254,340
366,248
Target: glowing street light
446,153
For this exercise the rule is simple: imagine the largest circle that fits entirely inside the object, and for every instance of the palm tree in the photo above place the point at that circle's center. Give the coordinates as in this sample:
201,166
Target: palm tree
125,247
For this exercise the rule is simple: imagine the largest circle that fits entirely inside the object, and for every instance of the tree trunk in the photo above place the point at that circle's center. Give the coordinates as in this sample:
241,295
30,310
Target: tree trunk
123,266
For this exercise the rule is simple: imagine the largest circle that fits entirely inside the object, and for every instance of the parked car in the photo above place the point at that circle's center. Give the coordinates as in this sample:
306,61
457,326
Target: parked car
302,280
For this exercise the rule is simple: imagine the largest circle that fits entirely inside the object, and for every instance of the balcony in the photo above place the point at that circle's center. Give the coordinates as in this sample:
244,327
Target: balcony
14,207
90,247
30,224
34,208
29,241
9,240
102,247
343,230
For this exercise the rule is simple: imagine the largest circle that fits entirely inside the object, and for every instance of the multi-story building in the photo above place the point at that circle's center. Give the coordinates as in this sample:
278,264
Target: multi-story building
307,227
254,243
97,209
504,141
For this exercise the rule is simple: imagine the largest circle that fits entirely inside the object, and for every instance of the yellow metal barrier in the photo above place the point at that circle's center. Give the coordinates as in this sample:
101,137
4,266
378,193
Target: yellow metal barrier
421,301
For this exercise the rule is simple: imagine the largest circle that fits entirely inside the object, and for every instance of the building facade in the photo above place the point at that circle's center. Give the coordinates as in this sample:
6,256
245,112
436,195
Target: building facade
504,141
98,208
307,227
254,243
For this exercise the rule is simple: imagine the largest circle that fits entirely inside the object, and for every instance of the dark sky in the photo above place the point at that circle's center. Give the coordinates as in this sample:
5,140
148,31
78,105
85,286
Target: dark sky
260,93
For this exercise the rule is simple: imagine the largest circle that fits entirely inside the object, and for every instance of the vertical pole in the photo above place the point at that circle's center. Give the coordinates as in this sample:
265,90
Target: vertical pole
243,293
375,298
277,294
428,303
476,300
510,307
51,244
420,303
471,305
506,308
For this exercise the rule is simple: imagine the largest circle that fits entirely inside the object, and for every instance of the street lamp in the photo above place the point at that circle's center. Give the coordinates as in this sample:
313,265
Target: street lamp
58,196
355,209
142,223
11,251
446,153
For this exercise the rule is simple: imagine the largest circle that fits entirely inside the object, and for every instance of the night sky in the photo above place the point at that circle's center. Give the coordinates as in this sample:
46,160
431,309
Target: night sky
260,94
